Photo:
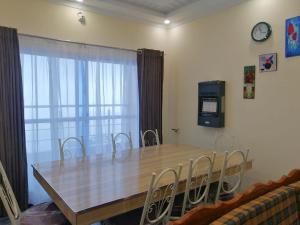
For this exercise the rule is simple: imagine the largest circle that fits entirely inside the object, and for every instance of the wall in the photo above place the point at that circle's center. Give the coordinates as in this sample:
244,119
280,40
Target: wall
218,47
215,47
43,18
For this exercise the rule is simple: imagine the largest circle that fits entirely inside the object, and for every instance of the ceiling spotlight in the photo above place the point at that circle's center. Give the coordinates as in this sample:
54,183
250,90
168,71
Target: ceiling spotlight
79,0
167,22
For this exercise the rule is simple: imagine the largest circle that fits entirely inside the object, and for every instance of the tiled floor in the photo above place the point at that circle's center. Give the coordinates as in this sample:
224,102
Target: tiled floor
4,221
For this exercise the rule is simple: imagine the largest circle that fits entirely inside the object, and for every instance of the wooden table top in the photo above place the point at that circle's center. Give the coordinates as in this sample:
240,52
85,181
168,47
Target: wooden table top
102,182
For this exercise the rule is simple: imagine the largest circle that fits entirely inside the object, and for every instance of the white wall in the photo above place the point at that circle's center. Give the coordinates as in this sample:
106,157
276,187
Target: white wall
43,18
218,47
215,47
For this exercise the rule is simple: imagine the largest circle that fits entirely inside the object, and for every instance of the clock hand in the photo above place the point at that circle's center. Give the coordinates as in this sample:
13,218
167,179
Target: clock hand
259,28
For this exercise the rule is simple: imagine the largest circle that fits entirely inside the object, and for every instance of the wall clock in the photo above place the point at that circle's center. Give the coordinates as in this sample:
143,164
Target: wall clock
261,32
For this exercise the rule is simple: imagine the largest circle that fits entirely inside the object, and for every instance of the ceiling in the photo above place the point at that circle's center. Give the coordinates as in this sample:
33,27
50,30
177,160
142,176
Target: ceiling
154,11
160,6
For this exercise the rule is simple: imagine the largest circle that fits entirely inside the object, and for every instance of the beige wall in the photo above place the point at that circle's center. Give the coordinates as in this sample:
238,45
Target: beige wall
215,47
42,18
218,47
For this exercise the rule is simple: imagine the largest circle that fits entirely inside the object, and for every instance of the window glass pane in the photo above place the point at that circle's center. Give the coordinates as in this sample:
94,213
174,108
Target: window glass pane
118,84
69,129
29,82
92,68
42,79
67,81
92,111
117,110
44,113
72,95
107,87
44,145
30,113
44,131
68,112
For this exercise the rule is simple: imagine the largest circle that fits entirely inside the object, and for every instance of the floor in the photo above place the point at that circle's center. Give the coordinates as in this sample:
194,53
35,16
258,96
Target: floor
4,221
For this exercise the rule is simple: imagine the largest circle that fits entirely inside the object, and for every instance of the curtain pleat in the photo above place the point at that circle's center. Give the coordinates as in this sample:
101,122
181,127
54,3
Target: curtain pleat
150,78
12,128
92,93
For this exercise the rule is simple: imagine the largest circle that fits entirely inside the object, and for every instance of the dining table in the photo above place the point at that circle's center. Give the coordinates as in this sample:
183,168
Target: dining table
97,187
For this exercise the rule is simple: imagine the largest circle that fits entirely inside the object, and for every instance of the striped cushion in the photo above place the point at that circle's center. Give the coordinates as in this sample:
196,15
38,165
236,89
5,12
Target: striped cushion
296,187
276,207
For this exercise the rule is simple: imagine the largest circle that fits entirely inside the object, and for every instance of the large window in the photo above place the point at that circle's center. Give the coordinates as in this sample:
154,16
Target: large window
75,90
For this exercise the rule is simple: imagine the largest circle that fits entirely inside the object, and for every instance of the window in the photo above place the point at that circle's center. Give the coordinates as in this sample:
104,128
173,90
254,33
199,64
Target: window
75,90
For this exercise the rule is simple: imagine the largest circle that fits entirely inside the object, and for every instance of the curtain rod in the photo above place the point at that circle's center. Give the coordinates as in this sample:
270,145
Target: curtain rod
73,42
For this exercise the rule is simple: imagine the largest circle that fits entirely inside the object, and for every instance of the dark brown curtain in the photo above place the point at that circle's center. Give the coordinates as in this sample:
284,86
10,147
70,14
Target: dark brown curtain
150,79
12,131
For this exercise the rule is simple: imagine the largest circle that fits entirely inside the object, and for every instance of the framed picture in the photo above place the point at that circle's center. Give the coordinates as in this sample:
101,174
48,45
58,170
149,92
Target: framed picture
268,62
292,38
249,82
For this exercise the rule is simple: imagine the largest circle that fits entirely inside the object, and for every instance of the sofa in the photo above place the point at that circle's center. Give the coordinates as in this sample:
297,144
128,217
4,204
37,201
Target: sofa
277,202
276,207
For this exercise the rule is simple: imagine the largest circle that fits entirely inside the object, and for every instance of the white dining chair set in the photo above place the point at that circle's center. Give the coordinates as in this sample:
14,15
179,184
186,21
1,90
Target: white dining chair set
159,202
146,140
160,199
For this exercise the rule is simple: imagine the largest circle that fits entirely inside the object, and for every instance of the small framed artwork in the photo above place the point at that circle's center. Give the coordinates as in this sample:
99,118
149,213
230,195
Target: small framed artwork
249,82
292,38
268,62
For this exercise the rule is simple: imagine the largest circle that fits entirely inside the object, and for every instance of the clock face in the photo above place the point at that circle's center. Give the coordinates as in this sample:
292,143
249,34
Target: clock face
261,32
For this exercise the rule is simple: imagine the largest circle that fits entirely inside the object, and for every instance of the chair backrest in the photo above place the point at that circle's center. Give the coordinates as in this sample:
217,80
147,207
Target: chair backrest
225,141
198,181
228,156
62,144
114,139
154,141
160,198
8,198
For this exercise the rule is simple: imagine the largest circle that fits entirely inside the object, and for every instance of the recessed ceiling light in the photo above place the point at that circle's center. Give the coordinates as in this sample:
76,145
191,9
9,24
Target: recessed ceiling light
167,22
79,0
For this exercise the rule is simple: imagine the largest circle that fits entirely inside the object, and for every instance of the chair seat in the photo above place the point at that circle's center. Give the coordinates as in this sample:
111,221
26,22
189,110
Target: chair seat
43,214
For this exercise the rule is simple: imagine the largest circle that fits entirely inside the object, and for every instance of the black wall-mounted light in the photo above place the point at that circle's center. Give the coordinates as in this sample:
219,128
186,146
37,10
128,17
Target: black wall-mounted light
81,17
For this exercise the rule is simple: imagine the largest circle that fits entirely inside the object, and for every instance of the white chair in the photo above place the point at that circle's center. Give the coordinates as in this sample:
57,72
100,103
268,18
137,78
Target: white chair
8,198
227,158
43,214
62,144
225,141
115,137
198,182
160,199
149,132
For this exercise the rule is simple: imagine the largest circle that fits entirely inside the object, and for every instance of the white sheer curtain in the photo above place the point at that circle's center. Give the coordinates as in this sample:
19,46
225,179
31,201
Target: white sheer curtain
75,90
